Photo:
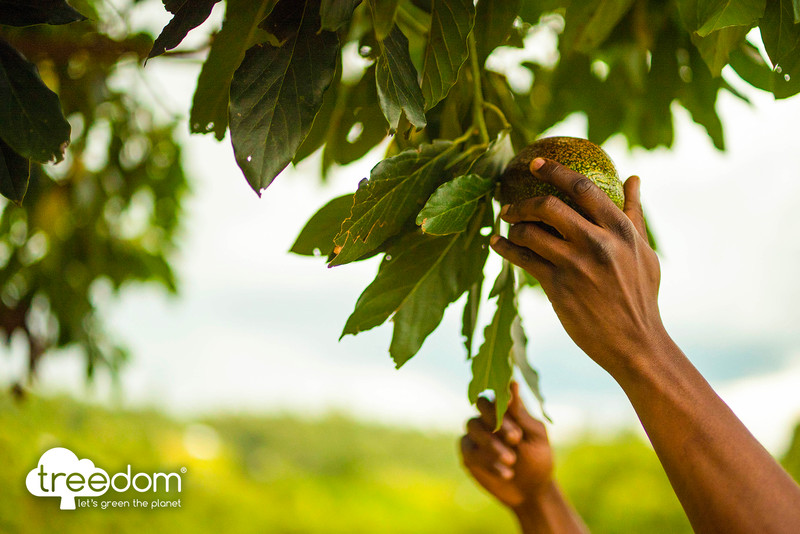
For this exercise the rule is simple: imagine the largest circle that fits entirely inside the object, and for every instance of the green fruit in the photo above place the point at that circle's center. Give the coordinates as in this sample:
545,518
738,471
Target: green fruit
518,183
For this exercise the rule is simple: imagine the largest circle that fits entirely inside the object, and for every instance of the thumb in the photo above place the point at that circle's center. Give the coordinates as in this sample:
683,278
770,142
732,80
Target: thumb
529,424
633,205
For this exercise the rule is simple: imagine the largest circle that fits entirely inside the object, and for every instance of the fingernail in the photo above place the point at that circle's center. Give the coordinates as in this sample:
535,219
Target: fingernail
537,163
509,458
504,210
505,472
493,241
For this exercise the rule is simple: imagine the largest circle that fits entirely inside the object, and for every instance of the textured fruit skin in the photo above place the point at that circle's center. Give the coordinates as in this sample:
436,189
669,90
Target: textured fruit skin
517,183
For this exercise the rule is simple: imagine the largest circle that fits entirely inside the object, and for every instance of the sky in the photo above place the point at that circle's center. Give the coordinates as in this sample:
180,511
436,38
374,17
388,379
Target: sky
255,328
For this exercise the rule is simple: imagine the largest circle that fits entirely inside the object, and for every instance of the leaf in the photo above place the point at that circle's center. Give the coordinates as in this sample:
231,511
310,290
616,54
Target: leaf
383,12
317,235
29,12
14,173
418,278
31,121
519,357
588,24
714,15
700,97
452,205
796,7
493,20
446,51
396,190
323,120
238,33
336,13
188,15
751,66
491,367
396,79
497,155
275,94
716,48
782,41
469,318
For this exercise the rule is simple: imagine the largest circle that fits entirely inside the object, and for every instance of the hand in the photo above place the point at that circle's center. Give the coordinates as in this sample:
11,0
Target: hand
515,464
601,275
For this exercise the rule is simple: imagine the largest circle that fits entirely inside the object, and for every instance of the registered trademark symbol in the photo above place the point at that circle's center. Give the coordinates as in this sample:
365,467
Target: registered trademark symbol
183,469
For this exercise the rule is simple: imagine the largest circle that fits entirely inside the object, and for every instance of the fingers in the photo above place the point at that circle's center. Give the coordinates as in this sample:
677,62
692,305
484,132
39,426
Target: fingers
549,210
531,427
481,449
509,431
533,236
590,198
633,205
524,257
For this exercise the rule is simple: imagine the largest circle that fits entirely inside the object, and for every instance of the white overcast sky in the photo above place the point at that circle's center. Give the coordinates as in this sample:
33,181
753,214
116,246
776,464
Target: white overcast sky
255,328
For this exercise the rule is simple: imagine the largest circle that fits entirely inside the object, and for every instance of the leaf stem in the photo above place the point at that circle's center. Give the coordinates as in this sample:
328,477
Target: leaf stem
499,113
477,99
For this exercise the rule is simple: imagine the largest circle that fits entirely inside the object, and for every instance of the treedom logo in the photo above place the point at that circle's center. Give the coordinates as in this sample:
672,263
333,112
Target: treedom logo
61,474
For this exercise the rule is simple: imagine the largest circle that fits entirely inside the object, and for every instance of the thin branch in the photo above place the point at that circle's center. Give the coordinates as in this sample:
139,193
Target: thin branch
477,99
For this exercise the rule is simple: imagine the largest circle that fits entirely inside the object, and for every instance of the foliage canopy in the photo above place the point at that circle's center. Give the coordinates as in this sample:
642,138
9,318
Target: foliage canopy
288,78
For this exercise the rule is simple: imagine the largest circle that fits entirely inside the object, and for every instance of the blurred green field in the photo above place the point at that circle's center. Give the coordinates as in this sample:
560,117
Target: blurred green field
284,475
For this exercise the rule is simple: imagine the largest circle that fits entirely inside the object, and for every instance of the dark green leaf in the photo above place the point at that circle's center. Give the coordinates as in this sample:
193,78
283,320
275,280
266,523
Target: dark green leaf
31,121
493,20
714,15
519,349
383,12
796,7
782,41
358,113
446,51
336,13
700,98
531,10
188,15
14,173
716,48
396,79
324,118
239,32
29,12
588,24
452,205
317,235
491,366
275,94
526,278
396,190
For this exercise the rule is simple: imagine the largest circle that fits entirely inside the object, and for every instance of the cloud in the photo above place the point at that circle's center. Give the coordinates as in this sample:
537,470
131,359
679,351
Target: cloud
60,473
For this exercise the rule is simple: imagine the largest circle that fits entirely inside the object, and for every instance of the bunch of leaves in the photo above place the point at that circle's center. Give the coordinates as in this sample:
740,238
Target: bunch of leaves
108,213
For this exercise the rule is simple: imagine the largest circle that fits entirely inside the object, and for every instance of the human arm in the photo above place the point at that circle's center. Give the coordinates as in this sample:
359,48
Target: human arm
515,464
602,279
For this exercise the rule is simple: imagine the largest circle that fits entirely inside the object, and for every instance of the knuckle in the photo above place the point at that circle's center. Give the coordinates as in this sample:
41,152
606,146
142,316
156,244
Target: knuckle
603,250
582,186
625,229
549,203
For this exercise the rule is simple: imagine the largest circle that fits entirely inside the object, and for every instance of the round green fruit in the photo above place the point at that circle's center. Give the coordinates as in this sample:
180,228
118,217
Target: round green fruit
518,183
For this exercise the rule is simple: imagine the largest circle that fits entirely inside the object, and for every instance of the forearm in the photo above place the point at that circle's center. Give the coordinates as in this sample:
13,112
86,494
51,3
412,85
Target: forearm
549,513
725,480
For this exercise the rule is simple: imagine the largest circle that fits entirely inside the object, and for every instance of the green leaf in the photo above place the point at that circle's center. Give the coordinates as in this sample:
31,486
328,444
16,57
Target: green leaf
519,349
717,47
31,121
588,24
396,190
275,94
796,7
700,97
418,278
188,15
383,12
396,79
751,66
325,117
452,205
317,235
336,13
469,318
493,20
29,12
446,51
714,15
491,367
14,173
238,33
782,41
497,155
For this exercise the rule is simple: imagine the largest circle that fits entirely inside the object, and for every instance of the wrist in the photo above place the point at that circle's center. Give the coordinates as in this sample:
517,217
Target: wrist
547,511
